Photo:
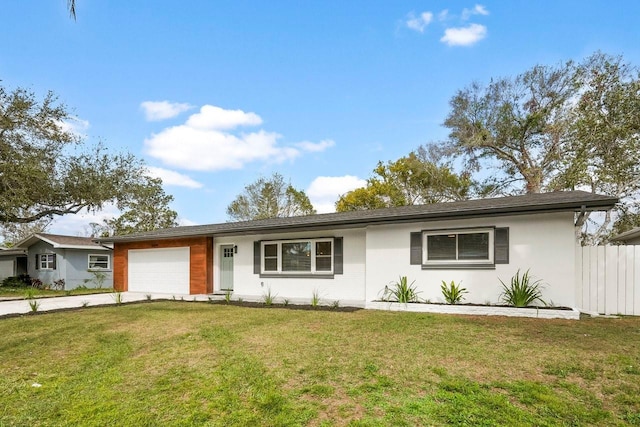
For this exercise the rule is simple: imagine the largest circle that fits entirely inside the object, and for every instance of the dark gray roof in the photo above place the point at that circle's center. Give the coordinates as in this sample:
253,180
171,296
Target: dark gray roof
60,241
511,205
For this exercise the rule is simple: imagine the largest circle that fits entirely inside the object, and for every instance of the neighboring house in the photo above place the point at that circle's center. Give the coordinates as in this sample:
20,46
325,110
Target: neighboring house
79,261
631,237
13,262
351,256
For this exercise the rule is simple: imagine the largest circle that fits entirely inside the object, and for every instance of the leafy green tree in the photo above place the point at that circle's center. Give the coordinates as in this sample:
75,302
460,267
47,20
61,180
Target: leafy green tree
603,153
572,126
269,198
516,125
146,210
415,179
46,170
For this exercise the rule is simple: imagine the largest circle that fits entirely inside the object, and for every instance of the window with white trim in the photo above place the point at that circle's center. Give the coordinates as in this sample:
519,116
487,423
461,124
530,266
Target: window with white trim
464,246
47,261
99,262
304,256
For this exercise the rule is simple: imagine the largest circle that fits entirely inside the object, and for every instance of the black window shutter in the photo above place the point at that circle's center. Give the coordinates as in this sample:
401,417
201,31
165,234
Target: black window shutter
416,249
37,262
337,256
501,246
55,257
256,257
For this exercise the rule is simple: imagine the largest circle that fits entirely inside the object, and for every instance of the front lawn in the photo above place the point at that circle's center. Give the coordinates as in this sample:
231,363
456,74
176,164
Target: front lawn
184,363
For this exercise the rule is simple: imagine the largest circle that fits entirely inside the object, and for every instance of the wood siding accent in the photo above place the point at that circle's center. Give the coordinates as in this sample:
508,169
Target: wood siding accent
200,263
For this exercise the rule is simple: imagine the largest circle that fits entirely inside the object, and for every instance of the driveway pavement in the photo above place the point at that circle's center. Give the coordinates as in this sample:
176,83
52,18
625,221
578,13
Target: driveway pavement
59,303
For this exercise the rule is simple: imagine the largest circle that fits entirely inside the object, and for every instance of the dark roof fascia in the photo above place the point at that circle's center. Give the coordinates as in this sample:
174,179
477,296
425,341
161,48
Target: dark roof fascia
13,252
210,230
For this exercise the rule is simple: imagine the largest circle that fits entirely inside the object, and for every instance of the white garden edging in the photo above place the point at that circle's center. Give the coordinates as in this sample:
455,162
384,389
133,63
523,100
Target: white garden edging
478,310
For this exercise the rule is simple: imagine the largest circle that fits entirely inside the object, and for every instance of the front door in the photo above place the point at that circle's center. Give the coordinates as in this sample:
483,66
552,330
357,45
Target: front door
226,267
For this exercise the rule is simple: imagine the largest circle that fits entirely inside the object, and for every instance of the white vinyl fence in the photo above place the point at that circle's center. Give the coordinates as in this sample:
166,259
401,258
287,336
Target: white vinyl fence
608,279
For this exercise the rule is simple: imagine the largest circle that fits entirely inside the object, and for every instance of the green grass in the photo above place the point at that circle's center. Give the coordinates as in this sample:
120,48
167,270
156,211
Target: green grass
170,363
42,293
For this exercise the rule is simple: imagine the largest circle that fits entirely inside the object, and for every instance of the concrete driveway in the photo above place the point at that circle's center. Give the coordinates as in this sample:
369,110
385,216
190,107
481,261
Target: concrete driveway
13,307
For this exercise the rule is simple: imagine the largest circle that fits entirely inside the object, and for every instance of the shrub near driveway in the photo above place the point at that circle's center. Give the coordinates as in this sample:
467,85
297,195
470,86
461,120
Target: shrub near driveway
176,363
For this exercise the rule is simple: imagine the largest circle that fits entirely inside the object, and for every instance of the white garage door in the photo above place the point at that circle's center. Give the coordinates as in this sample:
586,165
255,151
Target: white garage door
6,268
163,270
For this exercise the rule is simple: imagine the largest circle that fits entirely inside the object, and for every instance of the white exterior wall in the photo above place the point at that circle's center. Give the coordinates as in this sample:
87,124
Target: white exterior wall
348,288
543,243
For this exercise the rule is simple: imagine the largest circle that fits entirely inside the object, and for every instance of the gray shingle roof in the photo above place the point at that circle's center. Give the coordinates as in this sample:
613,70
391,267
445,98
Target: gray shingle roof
60,241
530,203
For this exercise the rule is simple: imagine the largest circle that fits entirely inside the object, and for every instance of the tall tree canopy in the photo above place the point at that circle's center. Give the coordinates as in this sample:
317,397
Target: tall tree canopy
146,210
571,126
603,152
515,124
416,179
45,170
269,198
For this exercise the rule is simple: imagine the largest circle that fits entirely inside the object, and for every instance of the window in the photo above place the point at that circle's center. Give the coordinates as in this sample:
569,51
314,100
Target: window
98,262
46,261
467,246
308,256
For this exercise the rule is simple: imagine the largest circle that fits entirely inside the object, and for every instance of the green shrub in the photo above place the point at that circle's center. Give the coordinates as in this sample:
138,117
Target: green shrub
452,292
21,281
522,290
401,291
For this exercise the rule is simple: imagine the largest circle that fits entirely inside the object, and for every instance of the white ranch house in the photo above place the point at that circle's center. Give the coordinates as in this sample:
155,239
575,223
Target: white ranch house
350,257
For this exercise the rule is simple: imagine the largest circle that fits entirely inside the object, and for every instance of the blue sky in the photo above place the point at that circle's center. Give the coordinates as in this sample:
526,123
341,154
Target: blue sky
213,95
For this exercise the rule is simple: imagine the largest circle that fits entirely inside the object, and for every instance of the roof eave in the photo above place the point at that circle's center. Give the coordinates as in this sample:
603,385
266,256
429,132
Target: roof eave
593,205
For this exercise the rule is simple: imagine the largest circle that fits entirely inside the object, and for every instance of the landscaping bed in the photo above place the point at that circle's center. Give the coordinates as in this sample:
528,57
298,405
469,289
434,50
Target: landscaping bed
477,309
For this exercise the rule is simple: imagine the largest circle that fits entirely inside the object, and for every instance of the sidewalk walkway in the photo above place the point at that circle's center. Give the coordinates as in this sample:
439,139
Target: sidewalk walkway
59,303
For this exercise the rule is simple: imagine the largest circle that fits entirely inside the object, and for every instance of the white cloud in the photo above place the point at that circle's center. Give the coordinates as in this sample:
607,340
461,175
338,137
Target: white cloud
216,118
420,22
464,36
74,125
316,147
205,143
443,15
325,190
160,110
170,177
478,9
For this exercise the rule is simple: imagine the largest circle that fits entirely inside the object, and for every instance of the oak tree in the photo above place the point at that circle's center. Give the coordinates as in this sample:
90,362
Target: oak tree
269,198
46,170
419,178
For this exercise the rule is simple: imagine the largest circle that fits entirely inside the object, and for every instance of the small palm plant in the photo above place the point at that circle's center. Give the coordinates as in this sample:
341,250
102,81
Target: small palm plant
522,291
452,292
401,291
